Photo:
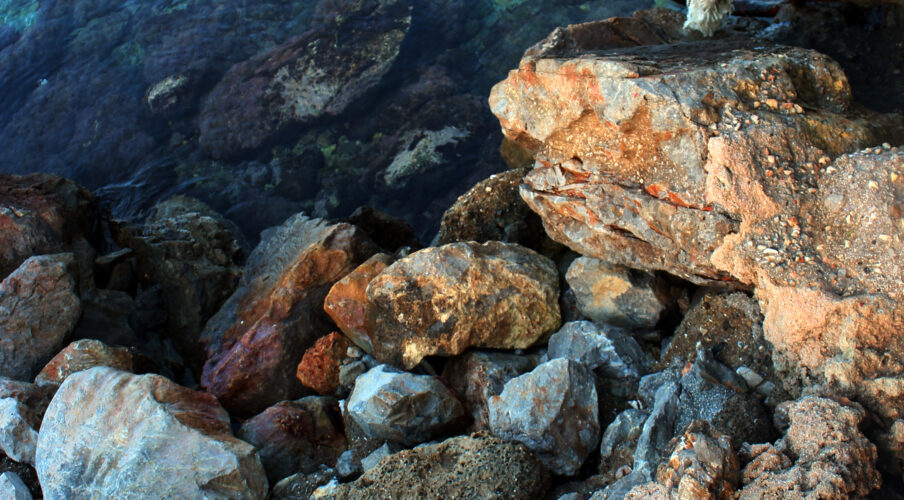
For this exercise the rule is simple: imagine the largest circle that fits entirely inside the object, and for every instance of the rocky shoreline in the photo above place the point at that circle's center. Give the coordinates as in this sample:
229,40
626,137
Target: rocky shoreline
688,285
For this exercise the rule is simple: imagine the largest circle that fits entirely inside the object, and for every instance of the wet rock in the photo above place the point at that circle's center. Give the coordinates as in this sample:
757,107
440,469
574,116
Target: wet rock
40,214
81,355
392,405
553,410
256,340
296,436
320,365
12,487
480,375
39,308
620,441
300,486
196,256
165,440
443,300
823,454
18,434
347,300
476,466
616,295
608,350
317,74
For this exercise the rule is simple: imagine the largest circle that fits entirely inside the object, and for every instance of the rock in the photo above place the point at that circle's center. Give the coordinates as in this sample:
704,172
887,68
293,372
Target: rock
39,308
255,342
392,405
319,367
32,396
620,441
616,295
822,454
18,437
373,458
81,355
480,375
347,300
40,214
440,301
608,350
12,487
196,256
387,231
300,486
476,466
553,410
107,316
658,429
348,467
165,440
316,74
296,436
349,373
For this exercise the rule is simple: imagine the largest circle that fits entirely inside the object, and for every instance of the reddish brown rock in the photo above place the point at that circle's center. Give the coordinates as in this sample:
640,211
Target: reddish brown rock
319,368
445,299
256,340
347,299
297,436
81,355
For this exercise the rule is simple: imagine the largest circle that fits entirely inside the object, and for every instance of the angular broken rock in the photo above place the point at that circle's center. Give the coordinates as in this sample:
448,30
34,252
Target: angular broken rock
616,295
620,440
397,406
321,363
443,300
13,488
256,340
347,300
553,410
112,434
81,355
18,437
39,307
608,350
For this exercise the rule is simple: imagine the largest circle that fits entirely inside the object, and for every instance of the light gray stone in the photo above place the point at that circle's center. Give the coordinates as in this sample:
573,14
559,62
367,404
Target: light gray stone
12,487
615,295
18,437
658,429
626,428
609,350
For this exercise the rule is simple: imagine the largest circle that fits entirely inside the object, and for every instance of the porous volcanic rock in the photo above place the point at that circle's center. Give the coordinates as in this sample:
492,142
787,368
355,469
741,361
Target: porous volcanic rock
81,355
475,466
616,295
347,301
256,340
39,308
442,300
112,434
319,367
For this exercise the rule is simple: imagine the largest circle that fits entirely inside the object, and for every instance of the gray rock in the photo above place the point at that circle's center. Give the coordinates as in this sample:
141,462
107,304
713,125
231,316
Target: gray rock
650,384
112,434
300,486
658,429
619,489
626,428
616,295
609,350
397,406
18,437
12,487
553,410
349,373
348,467
371,460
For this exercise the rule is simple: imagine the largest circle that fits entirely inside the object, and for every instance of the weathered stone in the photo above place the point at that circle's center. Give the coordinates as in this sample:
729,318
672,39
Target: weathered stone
113,434
39,307
392,405
823,454
348,467
620,441
346,303
296,436
300,486
476,466
319,367
373,458
12,487
616,295
480,375
443,300
256,340
18,437
31,395
658,429
608,350
81,355
554,411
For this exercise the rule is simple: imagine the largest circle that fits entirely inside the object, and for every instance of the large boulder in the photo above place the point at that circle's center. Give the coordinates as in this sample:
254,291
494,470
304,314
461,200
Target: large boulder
442,300
256,340
112,434
39,308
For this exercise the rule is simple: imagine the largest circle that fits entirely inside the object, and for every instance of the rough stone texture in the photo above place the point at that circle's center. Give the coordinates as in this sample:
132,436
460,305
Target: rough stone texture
608,350
18,434
445,299
316,74
31,395
40,214
319,367
113,434
300,486
554,411
196,256
658,429
12,487
616,295
476,466
81,355
823,455
296,436
347,301
392,405
39,307
256,340
619,443
480,375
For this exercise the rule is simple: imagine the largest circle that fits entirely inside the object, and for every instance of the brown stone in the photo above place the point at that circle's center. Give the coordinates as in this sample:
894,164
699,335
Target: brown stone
81,355
319,368
346,301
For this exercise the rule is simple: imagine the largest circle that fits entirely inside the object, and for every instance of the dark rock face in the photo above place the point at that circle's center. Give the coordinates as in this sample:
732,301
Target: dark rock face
445,299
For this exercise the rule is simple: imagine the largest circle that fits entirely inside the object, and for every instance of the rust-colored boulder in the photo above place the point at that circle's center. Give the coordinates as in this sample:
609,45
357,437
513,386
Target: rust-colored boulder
443,300
81,355
319,368
256,340
347,300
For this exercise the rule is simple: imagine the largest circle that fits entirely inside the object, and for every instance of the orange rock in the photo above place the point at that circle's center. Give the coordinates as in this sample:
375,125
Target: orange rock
319,368
346,301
